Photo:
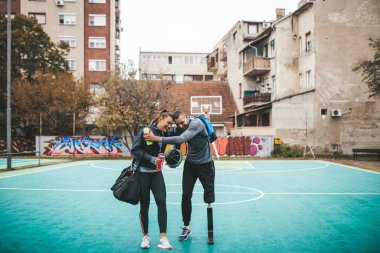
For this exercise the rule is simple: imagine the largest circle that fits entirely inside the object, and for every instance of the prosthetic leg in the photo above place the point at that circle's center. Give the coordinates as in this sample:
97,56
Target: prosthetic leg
210,225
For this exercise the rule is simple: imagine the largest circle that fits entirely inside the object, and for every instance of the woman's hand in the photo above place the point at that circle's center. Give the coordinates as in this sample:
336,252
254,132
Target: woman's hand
152,137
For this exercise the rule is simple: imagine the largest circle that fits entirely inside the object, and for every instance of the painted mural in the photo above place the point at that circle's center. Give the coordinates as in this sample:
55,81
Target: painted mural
83,146
255,146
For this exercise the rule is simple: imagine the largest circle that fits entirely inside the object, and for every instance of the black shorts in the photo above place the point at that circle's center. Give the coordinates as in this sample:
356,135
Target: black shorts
205,173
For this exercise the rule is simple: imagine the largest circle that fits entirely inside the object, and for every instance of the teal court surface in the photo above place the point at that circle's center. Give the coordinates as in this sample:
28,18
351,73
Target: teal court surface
27,162
261,206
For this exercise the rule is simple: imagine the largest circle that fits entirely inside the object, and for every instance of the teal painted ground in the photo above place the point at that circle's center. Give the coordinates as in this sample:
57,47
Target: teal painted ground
261,206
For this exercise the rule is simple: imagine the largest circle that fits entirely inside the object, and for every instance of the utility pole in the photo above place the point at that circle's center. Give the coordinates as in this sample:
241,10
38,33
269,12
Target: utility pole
9,112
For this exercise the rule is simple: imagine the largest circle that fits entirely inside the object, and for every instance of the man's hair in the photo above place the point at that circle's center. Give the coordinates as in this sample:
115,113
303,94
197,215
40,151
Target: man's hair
176,113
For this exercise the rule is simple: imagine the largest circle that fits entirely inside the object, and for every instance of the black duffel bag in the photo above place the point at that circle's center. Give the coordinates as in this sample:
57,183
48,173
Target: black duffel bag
127,187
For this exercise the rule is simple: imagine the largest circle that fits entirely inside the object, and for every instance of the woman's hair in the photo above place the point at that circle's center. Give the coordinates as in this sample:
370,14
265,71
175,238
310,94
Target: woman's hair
163,114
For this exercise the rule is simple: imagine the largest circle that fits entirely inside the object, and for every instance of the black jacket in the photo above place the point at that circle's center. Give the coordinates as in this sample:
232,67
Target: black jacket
144,153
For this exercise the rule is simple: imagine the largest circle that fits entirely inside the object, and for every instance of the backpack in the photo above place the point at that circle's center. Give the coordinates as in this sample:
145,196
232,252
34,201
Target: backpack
210,130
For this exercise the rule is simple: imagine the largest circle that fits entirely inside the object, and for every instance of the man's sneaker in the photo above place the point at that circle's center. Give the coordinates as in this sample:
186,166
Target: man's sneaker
164,243
186,231
145,242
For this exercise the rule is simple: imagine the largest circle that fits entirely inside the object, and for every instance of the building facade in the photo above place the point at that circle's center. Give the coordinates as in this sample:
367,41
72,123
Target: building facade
90,27
174,66
298,80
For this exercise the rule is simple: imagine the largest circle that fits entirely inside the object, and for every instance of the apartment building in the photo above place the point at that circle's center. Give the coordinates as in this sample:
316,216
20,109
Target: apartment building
174,66
90,27
297,78
225,61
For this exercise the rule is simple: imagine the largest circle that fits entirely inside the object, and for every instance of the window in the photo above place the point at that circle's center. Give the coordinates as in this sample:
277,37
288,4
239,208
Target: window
252,29
72,64
234,35
177,60
308,80
272,49
71,40
308,42
265,119
300,44
170,59
208,77
97,42
274,88
323,112
201,103
97,65
300,77
97,20
41,17
67,19
240,90
97,89
97,1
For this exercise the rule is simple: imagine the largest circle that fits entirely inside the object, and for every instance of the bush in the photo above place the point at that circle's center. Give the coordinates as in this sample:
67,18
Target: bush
285,150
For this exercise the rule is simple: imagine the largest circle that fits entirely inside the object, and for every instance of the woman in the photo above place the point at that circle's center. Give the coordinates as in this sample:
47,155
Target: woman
151,178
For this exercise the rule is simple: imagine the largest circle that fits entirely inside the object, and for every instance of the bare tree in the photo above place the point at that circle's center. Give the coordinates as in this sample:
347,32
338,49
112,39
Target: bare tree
129,104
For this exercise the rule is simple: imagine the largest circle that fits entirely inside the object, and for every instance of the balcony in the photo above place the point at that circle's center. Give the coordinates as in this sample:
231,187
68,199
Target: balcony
256,65
256,98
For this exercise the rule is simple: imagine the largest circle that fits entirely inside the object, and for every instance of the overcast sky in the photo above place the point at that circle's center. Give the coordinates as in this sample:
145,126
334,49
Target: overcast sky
187,26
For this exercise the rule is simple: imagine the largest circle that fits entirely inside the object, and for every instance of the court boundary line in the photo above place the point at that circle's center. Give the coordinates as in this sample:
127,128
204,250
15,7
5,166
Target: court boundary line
352,167
40,169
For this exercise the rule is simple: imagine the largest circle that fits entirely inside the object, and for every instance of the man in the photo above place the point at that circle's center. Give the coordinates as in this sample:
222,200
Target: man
199,163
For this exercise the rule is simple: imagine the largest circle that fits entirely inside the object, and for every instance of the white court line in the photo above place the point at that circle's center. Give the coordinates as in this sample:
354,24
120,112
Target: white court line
103,168
250,164
352,167
201,192
44,169
278,171
322,193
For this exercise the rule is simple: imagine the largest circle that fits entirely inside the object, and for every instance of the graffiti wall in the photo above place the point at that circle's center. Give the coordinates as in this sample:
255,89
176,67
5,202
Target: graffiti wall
258,146
81,146
255,146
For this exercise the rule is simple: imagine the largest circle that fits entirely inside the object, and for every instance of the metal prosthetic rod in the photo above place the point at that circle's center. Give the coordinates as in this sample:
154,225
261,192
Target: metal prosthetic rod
210,225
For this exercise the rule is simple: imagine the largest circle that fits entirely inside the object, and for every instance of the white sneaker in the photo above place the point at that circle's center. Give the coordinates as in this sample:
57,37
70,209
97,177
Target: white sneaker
164,243
145,242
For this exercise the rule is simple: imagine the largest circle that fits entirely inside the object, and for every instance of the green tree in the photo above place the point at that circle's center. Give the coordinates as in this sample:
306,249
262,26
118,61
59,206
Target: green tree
128,104
32,50
370,69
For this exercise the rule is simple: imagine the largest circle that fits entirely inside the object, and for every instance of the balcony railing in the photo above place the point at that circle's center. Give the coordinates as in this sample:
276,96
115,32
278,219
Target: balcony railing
256,98
256,65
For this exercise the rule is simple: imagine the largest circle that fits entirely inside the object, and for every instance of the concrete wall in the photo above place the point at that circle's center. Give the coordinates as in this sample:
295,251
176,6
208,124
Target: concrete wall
342,29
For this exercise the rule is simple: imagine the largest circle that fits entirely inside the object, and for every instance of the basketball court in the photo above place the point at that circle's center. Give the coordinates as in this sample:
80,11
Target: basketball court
261,206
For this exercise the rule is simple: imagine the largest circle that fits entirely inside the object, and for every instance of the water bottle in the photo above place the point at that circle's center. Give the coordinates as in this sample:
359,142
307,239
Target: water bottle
147,130
161,164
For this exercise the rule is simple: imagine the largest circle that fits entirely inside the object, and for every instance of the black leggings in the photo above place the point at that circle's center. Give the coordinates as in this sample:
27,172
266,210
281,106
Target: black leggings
152,181
191,172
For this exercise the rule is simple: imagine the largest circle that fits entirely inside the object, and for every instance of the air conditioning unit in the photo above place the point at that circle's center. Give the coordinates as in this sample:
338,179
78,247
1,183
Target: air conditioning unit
59,2
266,25
336,112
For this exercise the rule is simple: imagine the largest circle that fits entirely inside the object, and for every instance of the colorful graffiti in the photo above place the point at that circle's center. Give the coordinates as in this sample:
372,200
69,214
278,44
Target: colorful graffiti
240,146
85,146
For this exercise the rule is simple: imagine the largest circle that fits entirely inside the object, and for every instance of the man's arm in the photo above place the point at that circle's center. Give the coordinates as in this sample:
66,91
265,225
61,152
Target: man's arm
194,128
